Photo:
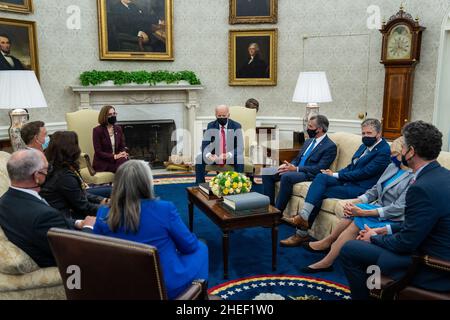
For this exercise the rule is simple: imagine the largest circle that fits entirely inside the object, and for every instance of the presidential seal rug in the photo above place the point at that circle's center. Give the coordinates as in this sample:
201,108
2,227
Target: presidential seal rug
281,287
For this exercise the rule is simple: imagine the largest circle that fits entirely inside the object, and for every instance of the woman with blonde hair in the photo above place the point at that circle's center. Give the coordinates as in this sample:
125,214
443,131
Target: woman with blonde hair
379,208
136,214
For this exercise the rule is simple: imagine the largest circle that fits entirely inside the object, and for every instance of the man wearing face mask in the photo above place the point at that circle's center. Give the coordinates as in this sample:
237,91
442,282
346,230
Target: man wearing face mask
109,142
425,230
368,163
317,153
34,135
222,144
25,217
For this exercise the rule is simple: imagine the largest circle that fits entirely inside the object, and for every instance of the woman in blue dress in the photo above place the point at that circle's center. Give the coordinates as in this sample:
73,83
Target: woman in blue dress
136,214
379,208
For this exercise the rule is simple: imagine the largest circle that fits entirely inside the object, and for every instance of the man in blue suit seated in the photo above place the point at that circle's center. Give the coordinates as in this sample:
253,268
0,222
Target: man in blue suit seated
368,163
317,153
425,230
223,144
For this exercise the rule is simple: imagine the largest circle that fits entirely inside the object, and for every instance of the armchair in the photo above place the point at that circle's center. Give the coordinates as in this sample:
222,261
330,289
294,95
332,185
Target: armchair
247,118
82,122
113,269
403,290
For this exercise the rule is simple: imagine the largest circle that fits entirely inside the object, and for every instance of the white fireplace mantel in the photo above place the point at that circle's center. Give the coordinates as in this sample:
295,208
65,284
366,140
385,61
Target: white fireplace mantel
93,96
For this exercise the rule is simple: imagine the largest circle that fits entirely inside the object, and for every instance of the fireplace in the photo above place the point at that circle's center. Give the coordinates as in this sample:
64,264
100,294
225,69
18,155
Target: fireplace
149,140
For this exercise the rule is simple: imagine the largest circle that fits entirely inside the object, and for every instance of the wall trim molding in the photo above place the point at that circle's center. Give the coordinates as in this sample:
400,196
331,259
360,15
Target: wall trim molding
51,128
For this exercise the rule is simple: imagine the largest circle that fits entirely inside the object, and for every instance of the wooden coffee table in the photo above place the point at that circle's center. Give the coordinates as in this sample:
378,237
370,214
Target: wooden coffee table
227,222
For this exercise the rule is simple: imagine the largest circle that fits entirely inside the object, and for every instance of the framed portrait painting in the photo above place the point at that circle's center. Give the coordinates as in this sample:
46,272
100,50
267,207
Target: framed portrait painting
253,57
18,48
135,29
253,11
20,6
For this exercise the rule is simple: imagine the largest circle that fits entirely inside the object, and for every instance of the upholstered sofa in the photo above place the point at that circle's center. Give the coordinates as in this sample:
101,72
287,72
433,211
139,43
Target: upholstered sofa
332,209
20,277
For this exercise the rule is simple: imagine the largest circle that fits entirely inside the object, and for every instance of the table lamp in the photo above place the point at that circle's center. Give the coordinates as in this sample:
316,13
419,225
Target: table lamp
312,88
19,91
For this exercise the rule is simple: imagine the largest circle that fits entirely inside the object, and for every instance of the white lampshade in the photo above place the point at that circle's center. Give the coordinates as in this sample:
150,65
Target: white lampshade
20,90
312,87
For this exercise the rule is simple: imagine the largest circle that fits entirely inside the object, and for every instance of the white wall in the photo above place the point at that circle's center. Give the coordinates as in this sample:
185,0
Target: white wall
337,41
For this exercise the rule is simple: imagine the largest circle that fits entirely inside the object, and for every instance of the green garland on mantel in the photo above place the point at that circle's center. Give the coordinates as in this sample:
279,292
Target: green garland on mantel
140,77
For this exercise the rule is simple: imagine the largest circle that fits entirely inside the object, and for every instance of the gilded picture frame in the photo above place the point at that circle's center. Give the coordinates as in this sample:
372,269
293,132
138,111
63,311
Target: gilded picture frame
21,36
135,29
19,6
253,11
253,57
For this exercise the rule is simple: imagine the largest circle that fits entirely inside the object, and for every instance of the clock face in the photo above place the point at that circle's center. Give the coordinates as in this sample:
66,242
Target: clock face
399,43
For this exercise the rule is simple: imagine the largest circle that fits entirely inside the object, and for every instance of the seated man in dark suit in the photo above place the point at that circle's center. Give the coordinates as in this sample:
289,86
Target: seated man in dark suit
223,143
7,61
368,163
425,230
317,153
25,217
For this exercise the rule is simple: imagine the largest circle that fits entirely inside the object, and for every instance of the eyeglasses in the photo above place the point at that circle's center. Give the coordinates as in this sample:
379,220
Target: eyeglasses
48,170
112,114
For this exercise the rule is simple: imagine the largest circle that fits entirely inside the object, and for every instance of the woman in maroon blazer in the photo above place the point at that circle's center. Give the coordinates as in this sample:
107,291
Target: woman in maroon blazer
109,142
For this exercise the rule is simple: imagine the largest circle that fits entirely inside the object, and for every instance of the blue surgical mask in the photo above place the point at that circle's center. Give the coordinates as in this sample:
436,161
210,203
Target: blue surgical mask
46,143
395,161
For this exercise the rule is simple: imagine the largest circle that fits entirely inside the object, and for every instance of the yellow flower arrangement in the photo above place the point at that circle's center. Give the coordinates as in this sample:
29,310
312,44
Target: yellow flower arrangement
230,182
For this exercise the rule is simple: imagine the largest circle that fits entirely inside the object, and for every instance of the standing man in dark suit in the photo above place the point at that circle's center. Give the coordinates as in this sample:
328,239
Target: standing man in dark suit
368,163
223,144
25,217
425,230
7,61
317,153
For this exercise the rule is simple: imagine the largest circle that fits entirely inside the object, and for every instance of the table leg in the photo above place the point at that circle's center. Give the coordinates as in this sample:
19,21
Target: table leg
274,246
191,216
225,248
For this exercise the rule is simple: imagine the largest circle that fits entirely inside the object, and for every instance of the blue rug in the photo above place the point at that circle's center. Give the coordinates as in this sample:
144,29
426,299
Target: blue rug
251,254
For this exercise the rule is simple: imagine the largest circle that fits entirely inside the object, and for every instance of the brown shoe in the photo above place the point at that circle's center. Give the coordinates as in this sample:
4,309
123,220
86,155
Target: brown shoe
294,241
299,222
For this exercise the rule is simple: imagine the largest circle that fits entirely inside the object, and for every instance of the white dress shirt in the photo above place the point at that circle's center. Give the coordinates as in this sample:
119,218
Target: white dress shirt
9,59
229,154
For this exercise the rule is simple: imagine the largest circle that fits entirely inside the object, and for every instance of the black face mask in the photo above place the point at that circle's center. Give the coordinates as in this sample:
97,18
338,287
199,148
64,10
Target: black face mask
404,161
369,141
222,121
312,133
112,120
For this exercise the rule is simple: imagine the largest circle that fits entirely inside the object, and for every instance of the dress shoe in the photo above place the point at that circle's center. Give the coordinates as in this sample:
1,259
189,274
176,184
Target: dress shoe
308,247
299,222
293,241
311,270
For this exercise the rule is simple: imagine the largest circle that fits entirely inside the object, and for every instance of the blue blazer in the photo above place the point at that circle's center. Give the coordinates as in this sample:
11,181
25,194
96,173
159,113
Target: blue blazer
425,231
320,158
365,172
234,133
180,252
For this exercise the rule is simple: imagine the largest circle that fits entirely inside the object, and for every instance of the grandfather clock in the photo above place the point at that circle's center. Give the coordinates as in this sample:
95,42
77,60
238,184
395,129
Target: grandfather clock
402,39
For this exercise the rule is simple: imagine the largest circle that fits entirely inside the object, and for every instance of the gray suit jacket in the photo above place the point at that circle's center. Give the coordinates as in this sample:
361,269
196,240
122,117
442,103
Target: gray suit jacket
392,198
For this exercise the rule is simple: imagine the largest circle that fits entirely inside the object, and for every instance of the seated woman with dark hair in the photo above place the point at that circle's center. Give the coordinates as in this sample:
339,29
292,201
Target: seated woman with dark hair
380,208
109,142
64,188
135,214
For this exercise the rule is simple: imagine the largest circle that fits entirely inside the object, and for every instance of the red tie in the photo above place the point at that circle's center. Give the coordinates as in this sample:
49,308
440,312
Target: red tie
223,147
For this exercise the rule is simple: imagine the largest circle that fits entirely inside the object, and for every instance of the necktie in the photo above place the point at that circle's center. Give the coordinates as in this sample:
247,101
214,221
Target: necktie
223,147
307,153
